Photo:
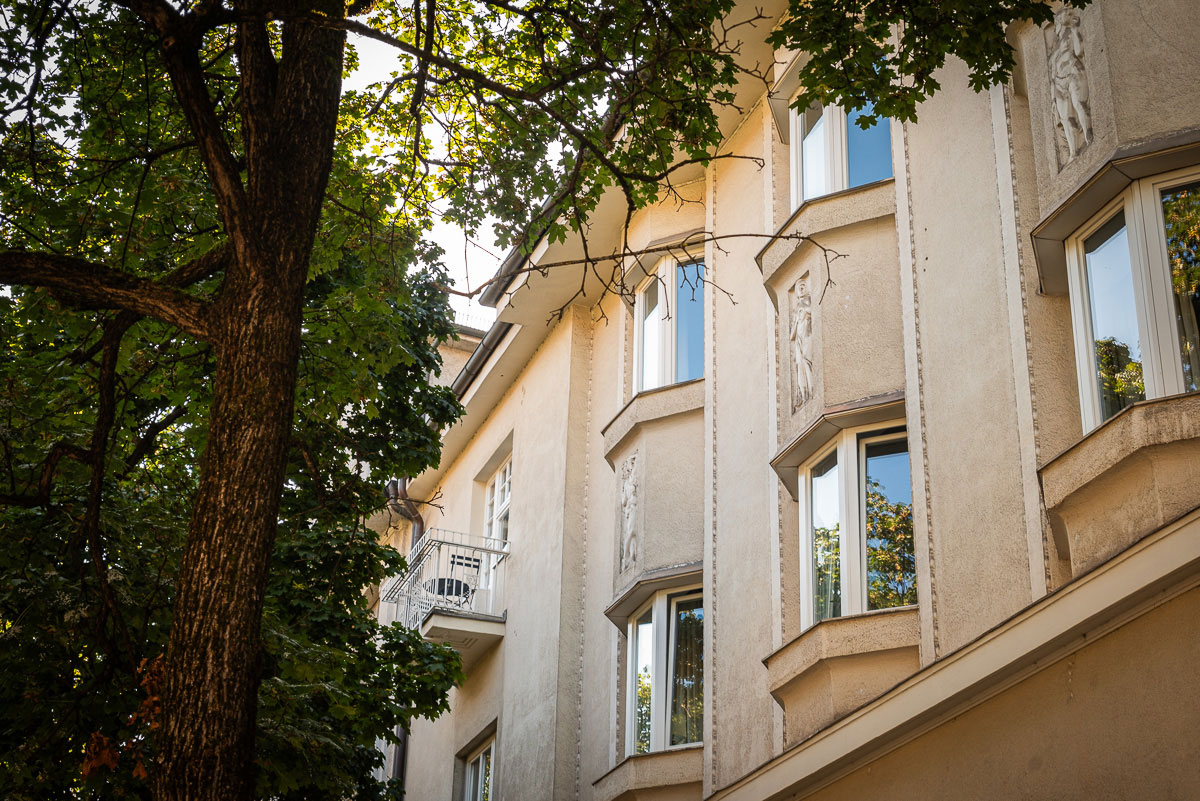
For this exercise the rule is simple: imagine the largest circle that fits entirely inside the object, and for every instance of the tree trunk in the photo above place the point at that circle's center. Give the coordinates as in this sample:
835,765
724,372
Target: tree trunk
213,664
213,661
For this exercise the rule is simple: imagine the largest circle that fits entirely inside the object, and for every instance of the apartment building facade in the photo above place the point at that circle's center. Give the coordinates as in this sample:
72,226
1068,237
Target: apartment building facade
882,481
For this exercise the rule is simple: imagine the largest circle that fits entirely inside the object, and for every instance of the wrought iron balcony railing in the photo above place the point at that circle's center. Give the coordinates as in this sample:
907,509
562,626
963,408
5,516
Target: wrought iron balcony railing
451,571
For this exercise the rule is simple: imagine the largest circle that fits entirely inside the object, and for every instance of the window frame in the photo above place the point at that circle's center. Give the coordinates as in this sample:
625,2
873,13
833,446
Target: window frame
488,746
850,445
837,151
1153,303
667,325
662,607
493,512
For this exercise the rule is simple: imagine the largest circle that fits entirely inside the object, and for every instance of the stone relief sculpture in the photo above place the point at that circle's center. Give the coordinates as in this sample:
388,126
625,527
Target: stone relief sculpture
800,341
1069,82
630,481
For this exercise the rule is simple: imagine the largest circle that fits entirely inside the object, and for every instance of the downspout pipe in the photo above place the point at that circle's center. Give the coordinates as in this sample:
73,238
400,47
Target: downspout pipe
398,501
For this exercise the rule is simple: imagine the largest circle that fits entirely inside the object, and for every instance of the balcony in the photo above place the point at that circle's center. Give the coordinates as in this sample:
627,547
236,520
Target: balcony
453,591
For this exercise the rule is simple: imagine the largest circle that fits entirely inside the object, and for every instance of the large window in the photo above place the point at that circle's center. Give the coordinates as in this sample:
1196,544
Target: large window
857,526
831,152
666,673
669,330
1134,275
478,784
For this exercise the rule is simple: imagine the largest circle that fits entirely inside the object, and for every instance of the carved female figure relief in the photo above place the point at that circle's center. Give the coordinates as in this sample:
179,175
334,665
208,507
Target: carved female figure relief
1068,80
629,501
800,341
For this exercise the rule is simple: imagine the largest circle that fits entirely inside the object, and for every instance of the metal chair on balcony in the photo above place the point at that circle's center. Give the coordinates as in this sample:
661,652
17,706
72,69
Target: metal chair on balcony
457,588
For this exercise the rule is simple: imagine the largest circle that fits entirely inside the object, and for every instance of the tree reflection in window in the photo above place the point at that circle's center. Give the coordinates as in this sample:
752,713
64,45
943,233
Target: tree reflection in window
1120,376
891,563
1181,223
687,690
826,540
1118,348
644,654
667,691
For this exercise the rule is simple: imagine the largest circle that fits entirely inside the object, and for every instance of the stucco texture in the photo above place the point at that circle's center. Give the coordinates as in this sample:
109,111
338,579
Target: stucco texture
1115,720
980,556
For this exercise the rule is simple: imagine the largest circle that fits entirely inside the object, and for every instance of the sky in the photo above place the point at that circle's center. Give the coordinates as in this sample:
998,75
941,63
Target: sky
469,262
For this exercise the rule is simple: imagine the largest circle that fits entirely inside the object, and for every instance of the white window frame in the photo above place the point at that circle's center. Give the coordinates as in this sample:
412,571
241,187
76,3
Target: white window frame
477,757
662,667
493,514
837,153
1153,302
665,276
850,445
493,510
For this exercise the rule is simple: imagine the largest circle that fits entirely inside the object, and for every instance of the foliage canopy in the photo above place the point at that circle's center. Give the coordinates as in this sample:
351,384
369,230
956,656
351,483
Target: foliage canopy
884,56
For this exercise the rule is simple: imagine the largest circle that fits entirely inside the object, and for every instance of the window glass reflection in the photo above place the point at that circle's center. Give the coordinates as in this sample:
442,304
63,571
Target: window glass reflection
826,545
689,321
1117,348
868,151
891,564
1181,221
651,336
813,172
687,683
643,657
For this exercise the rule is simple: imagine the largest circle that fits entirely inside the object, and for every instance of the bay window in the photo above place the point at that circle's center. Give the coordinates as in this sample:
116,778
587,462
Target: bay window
857,525
666,673
1134,280
669,325
831,152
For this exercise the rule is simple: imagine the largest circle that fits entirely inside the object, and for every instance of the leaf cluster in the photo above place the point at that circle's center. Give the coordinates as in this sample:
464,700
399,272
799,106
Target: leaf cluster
883,56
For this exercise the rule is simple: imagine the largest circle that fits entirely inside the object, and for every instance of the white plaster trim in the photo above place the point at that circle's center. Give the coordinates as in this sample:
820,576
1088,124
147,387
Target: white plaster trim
583,321
710,487
772,488
1018,336
915,405
1147,575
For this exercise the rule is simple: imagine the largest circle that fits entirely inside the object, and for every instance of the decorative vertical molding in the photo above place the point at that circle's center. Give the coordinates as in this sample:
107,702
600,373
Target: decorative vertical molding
775,513
581,623
915,391
710,556
1008,215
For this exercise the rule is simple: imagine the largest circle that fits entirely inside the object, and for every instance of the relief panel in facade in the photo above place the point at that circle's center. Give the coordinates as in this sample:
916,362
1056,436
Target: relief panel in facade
1069,90
630,485
800,342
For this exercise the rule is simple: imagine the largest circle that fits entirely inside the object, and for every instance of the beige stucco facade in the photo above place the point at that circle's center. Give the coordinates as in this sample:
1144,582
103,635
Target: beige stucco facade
1051,651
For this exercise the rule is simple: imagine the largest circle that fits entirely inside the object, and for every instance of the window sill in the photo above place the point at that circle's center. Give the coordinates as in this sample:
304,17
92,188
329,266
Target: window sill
840,664
672,774
823,214
649,406
1127,478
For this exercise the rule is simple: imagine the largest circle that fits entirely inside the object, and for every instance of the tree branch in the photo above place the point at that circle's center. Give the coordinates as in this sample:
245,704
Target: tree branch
89,285
179,38
46,476
145,444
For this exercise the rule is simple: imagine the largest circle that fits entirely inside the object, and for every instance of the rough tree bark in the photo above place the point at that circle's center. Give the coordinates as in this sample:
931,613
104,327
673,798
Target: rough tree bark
212,670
